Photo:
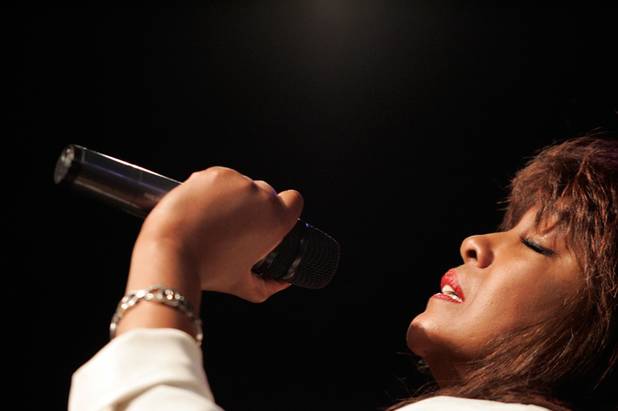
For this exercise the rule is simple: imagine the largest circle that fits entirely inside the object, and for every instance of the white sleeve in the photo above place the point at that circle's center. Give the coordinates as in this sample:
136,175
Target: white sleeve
152,369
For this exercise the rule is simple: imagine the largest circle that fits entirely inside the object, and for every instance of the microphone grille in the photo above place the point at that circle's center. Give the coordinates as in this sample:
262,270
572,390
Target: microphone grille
306,257
319,259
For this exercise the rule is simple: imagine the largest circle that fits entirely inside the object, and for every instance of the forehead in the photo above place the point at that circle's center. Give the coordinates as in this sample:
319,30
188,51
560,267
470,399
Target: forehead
548,227
547,223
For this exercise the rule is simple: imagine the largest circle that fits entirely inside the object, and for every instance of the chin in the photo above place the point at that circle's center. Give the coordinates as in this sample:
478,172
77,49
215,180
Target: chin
421,336
425,340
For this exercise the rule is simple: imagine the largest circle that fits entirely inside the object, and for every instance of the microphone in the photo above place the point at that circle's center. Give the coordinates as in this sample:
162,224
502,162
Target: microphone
306,257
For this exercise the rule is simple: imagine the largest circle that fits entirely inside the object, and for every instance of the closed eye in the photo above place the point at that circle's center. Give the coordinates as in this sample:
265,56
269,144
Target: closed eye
536,247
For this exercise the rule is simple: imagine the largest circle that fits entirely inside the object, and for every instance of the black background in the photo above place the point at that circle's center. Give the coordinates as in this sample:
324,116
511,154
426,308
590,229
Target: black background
400,122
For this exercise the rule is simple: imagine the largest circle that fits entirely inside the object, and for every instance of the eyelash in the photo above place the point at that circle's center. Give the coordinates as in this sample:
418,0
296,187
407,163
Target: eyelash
537,248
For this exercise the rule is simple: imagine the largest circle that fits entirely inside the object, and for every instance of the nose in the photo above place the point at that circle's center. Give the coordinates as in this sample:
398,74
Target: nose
477,249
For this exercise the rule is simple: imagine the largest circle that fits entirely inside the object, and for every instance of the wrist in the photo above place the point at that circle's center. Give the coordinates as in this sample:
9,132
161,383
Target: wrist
159,263
179,313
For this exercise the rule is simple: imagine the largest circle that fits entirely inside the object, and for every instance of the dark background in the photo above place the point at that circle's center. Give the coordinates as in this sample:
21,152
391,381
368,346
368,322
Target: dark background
400,122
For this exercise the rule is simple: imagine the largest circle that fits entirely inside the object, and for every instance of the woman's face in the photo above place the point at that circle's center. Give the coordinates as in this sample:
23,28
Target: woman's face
507,280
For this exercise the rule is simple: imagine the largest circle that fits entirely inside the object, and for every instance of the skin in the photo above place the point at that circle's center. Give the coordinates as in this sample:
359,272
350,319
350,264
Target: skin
206,234
507,284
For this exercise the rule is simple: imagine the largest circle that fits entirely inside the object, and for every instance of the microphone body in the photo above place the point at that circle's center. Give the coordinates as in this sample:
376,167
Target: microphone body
306,257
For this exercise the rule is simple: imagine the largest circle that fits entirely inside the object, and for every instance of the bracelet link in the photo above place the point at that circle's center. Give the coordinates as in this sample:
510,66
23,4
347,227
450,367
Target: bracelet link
158,294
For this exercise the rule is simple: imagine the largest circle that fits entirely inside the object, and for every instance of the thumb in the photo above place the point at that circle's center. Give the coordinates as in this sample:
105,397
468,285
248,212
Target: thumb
293,203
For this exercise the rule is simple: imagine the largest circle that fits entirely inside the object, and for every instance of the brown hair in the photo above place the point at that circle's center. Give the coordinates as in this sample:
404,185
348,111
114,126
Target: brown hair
567,361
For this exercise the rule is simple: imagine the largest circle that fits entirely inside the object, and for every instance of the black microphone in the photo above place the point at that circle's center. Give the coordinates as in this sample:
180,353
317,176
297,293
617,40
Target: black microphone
306,257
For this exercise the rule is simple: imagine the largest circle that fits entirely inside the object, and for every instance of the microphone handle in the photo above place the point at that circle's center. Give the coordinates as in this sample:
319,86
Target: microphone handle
306,257
131,188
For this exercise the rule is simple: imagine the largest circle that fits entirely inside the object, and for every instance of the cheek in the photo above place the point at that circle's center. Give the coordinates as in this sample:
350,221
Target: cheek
523,302
498,309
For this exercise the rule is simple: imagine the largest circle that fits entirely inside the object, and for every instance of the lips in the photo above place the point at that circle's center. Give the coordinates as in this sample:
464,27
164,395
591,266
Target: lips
450,288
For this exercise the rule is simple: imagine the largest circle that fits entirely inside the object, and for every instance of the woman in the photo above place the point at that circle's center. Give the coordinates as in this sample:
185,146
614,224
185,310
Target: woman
529,317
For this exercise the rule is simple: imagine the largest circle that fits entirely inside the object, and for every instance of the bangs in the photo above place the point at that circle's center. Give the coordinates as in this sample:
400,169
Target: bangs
572,186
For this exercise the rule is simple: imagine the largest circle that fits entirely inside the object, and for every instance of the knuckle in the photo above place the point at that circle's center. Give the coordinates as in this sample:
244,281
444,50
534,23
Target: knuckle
217,171
214,174
265,186
209,172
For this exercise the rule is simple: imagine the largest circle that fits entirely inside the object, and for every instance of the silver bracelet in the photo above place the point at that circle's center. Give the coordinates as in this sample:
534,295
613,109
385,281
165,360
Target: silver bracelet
159,294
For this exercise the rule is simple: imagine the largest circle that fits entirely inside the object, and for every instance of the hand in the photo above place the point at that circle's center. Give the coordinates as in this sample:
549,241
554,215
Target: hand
211,230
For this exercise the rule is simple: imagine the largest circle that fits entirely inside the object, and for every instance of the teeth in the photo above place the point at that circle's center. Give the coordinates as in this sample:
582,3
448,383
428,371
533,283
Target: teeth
448,290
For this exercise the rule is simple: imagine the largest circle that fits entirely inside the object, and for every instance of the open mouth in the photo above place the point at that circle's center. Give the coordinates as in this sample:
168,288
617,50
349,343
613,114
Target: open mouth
450,289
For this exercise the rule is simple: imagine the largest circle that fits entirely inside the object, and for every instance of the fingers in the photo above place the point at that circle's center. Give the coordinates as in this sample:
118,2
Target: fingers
293,202
265,186
260,289
274,286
